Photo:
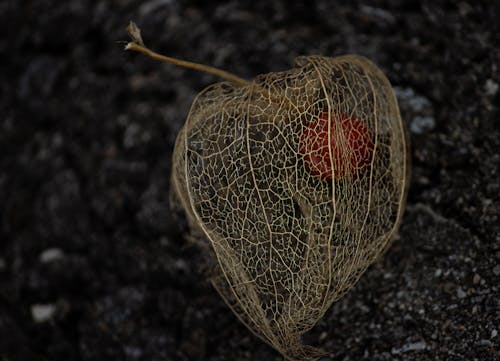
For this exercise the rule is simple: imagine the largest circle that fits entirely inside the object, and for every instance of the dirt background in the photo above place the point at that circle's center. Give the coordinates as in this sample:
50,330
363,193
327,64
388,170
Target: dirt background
93,265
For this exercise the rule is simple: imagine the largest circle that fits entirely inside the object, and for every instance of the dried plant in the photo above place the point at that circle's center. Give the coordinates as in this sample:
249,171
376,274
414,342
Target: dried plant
298,181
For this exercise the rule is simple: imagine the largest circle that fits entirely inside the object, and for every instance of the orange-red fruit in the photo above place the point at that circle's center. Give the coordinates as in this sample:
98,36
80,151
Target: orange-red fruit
349,144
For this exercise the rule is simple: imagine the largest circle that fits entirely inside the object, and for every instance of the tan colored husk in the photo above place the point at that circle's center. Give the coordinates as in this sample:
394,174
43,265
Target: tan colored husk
288,244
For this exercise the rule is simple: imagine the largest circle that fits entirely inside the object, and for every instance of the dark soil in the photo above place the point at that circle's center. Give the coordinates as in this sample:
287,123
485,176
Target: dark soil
93,265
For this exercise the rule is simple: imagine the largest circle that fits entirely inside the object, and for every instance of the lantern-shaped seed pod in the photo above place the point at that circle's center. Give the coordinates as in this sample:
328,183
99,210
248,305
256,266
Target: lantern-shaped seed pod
298,181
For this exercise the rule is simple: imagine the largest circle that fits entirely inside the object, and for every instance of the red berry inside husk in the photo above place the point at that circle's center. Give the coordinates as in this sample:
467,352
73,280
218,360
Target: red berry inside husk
349,144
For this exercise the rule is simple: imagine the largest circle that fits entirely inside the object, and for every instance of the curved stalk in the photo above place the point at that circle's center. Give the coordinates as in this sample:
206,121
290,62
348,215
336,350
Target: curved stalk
138,45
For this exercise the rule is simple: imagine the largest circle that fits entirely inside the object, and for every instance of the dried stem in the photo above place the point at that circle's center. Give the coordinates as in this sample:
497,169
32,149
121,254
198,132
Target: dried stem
138,45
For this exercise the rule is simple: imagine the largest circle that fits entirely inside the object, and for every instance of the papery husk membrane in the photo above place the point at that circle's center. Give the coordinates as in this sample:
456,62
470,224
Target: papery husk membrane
285,243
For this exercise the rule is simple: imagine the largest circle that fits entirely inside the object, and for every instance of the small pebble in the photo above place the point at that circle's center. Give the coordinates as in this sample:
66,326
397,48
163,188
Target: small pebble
496,270
149,7
476,279
42,312
461,293
486,343
181,265
494,333
420,108
377,13
490,87
51,255
422,124
414,346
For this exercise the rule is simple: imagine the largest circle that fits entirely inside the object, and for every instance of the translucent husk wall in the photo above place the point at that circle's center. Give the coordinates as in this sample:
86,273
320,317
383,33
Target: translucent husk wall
293,212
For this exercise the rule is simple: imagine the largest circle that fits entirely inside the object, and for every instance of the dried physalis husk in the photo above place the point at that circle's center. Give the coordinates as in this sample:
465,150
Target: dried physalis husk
298,181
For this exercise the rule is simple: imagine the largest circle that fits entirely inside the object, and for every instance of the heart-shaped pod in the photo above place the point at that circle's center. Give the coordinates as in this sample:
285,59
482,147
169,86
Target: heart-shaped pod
290,239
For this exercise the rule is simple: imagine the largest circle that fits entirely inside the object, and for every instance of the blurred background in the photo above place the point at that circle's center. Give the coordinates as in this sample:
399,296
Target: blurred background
94,265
